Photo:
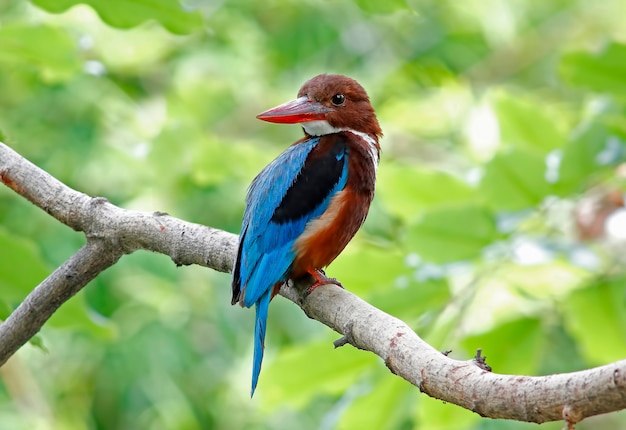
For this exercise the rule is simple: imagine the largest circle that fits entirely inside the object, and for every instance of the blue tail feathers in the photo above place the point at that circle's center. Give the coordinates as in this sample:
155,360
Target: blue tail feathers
262,306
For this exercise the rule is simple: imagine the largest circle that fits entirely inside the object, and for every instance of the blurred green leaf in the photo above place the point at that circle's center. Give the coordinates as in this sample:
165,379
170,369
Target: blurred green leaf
596,317
5,310
48,50
452,234
435,414
381,226
580,158
130,13
37,342
374,6
560,352
512,347
326,371
409,191
412,301
366,268
602,72
384,407
74,314
528,123
288,45
515,180
22,267
208,167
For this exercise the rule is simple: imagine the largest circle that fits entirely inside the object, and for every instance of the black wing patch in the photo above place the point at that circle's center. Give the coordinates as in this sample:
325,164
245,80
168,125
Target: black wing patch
236,285
319,175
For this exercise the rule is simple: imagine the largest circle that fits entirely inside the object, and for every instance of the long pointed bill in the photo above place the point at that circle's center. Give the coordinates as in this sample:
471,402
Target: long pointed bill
301,109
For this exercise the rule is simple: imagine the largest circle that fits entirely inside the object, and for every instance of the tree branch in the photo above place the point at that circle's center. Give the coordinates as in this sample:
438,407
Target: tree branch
112,232
94,257
569,396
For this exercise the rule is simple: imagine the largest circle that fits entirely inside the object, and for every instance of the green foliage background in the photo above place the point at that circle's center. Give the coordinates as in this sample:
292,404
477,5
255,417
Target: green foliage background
500,117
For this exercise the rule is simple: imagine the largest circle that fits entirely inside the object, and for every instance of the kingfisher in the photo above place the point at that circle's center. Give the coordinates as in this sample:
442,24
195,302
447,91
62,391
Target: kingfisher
306,205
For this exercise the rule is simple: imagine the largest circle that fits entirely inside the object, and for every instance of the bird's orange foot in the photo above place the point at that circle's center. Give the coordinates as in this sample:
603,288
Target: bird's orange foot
321,279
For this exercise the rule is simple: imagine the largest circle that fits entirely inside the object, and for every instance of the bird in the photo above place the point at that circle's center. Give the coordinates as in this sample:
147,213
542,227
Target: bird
305,206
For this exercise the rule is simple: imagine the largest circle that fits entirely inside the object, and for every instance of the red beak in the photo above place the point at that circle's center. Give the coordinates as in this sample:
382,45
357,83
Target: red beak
301,109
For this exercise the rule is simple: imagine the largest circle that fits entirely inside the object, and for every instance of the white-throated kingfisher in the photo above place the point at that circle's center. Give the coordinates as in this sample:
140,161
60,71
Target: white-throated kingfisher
306,205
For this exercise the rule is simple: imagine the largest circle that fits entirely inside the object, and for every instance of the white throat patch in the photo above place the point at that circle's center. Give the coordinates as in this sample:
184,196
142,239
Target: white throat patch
319,128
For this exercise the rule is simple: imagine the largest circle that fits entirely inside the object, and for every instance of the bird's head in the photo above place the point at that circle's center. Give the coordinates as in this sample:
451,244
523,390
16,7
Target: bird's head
328,104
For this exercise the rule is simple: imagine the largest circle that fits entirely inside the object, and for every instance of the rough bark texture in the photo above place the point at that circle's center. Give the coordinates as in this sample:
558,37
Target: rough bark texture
112,232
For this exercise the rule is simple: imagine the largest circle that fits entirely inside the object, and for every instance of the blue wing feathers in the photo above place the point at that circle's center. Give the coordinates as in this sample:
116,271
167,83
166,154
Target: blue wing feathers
264,239
269,187
271,269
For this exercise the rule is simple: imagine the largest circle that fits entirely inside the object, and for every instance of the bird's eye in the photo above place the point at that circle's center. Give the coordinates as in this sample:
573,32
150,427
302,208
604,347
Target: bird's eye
338,99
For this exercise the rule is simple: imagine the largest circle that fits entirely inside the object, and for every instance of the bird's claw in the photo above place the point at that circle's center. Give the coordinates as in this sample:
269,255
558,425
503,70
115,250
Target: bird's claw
321,279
